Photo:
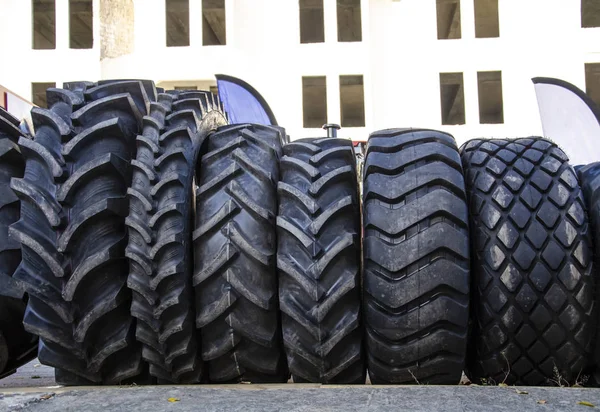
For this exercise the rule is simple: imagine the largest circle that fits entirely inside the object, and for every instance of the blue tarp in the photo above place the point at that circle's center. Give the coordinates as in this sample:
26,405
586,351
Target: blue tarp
243,103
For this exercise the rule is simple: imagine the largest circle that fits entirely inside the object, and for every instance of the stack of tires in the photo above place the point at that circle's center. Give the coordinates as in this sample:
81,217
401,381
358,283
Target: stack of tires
146,240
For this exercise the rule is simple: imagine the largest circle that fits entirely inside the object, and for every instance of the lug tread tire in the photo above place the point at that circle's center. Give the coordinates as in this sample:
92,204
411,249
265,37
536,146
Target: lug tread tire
416,258
16,345
72,230
318,258
235,255
163,298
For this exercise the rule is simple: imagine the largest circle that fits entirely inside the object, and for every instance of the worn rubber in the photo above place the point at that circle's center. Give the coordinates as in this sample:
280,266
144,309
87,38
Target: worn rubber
416,258
16,345
533,294
234,255
72,228
318,258
160,226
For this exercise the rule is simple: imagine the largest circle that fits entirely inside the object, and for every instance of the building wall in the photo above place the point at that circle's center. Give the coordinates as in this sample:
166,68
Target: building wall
399,56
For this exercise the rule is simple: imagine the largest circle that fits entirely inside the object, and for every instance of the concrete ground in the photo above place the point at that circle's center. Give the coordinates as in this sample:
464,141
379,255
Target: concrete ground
28,376
32,388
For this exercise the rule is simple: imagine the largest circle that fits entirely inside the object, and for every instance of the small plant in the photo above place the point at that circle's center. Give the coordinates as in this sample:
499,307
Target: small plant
414,377
561,382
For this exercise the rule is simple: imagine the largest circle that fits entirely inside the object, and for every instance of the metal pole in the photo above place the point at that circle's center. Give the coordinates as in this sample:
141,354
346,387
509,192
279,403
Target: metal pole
332,129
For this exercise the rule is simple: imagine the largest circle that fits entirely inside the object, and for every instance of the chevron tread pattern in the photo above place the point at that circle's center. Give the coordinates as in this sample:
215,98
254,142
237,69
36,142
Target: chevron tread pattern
73,230
163,291
41,270
318,257
234,255
16,345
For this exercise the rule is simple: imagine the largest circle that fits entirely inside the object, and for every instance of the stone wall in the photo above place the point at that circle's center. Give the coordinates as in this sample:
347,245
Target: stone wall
116,28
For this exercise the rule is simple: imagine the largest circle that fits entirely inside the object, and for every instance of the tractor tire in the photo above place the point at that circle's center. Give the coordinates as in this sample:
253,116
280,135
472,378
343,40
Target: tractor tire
533,294
12,165
160,227
72,226
416,258
41,269
17,347
318,257
234,255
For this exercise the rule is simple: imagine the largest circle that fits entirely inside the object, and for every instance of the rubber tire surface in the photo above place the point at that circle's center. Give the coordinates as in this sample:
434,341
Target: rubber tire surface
318,257
73,233
234,254
589,177
17,347
160,238
533,290
416,258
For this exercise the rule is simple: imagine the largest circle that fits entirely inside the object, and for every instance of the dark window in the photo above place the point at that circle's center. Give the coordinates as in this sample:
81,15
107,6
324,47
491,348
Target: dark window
590,13
491,106
214,90
487,21
44,24
448,19
178,23
314,101
452,96
592,81
213,23
81,24
312,28
38,93
352,101
349,20
186,87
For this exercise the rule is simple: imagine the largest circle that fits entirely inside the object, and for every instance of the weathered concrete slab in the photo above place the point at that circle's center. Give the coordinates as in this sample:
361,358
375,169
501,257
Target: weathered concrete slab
293,397
33,388
33,374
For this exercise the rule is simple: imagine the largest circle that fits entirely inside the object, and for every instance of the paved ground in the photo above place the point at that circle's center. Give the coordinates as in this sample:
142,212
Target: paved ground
31,375
298,398
24,391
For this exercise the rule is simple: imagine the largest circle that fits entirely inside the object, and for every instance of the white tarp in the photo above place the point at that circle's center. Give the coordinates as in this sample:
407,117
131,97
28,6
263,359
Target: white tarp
570,119
16,105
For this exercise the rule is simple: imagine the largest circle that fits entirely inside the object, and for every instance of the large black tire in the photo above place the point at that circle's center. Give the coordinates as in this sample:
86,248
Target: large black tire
533,290
160,227
12,164
234,255
72,231
589,177
16,346
41,269
318,257
416,258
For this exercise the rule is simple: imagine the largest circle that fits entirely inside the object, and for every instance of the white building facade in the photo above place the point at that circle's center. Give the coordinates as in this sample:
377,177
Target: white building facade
399,57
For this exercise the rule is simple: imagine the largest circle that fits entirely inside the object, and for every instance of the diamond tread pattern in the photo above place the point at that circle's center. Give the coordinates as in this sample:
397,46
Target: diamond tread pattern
416,258
235,255
533,291
318,258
